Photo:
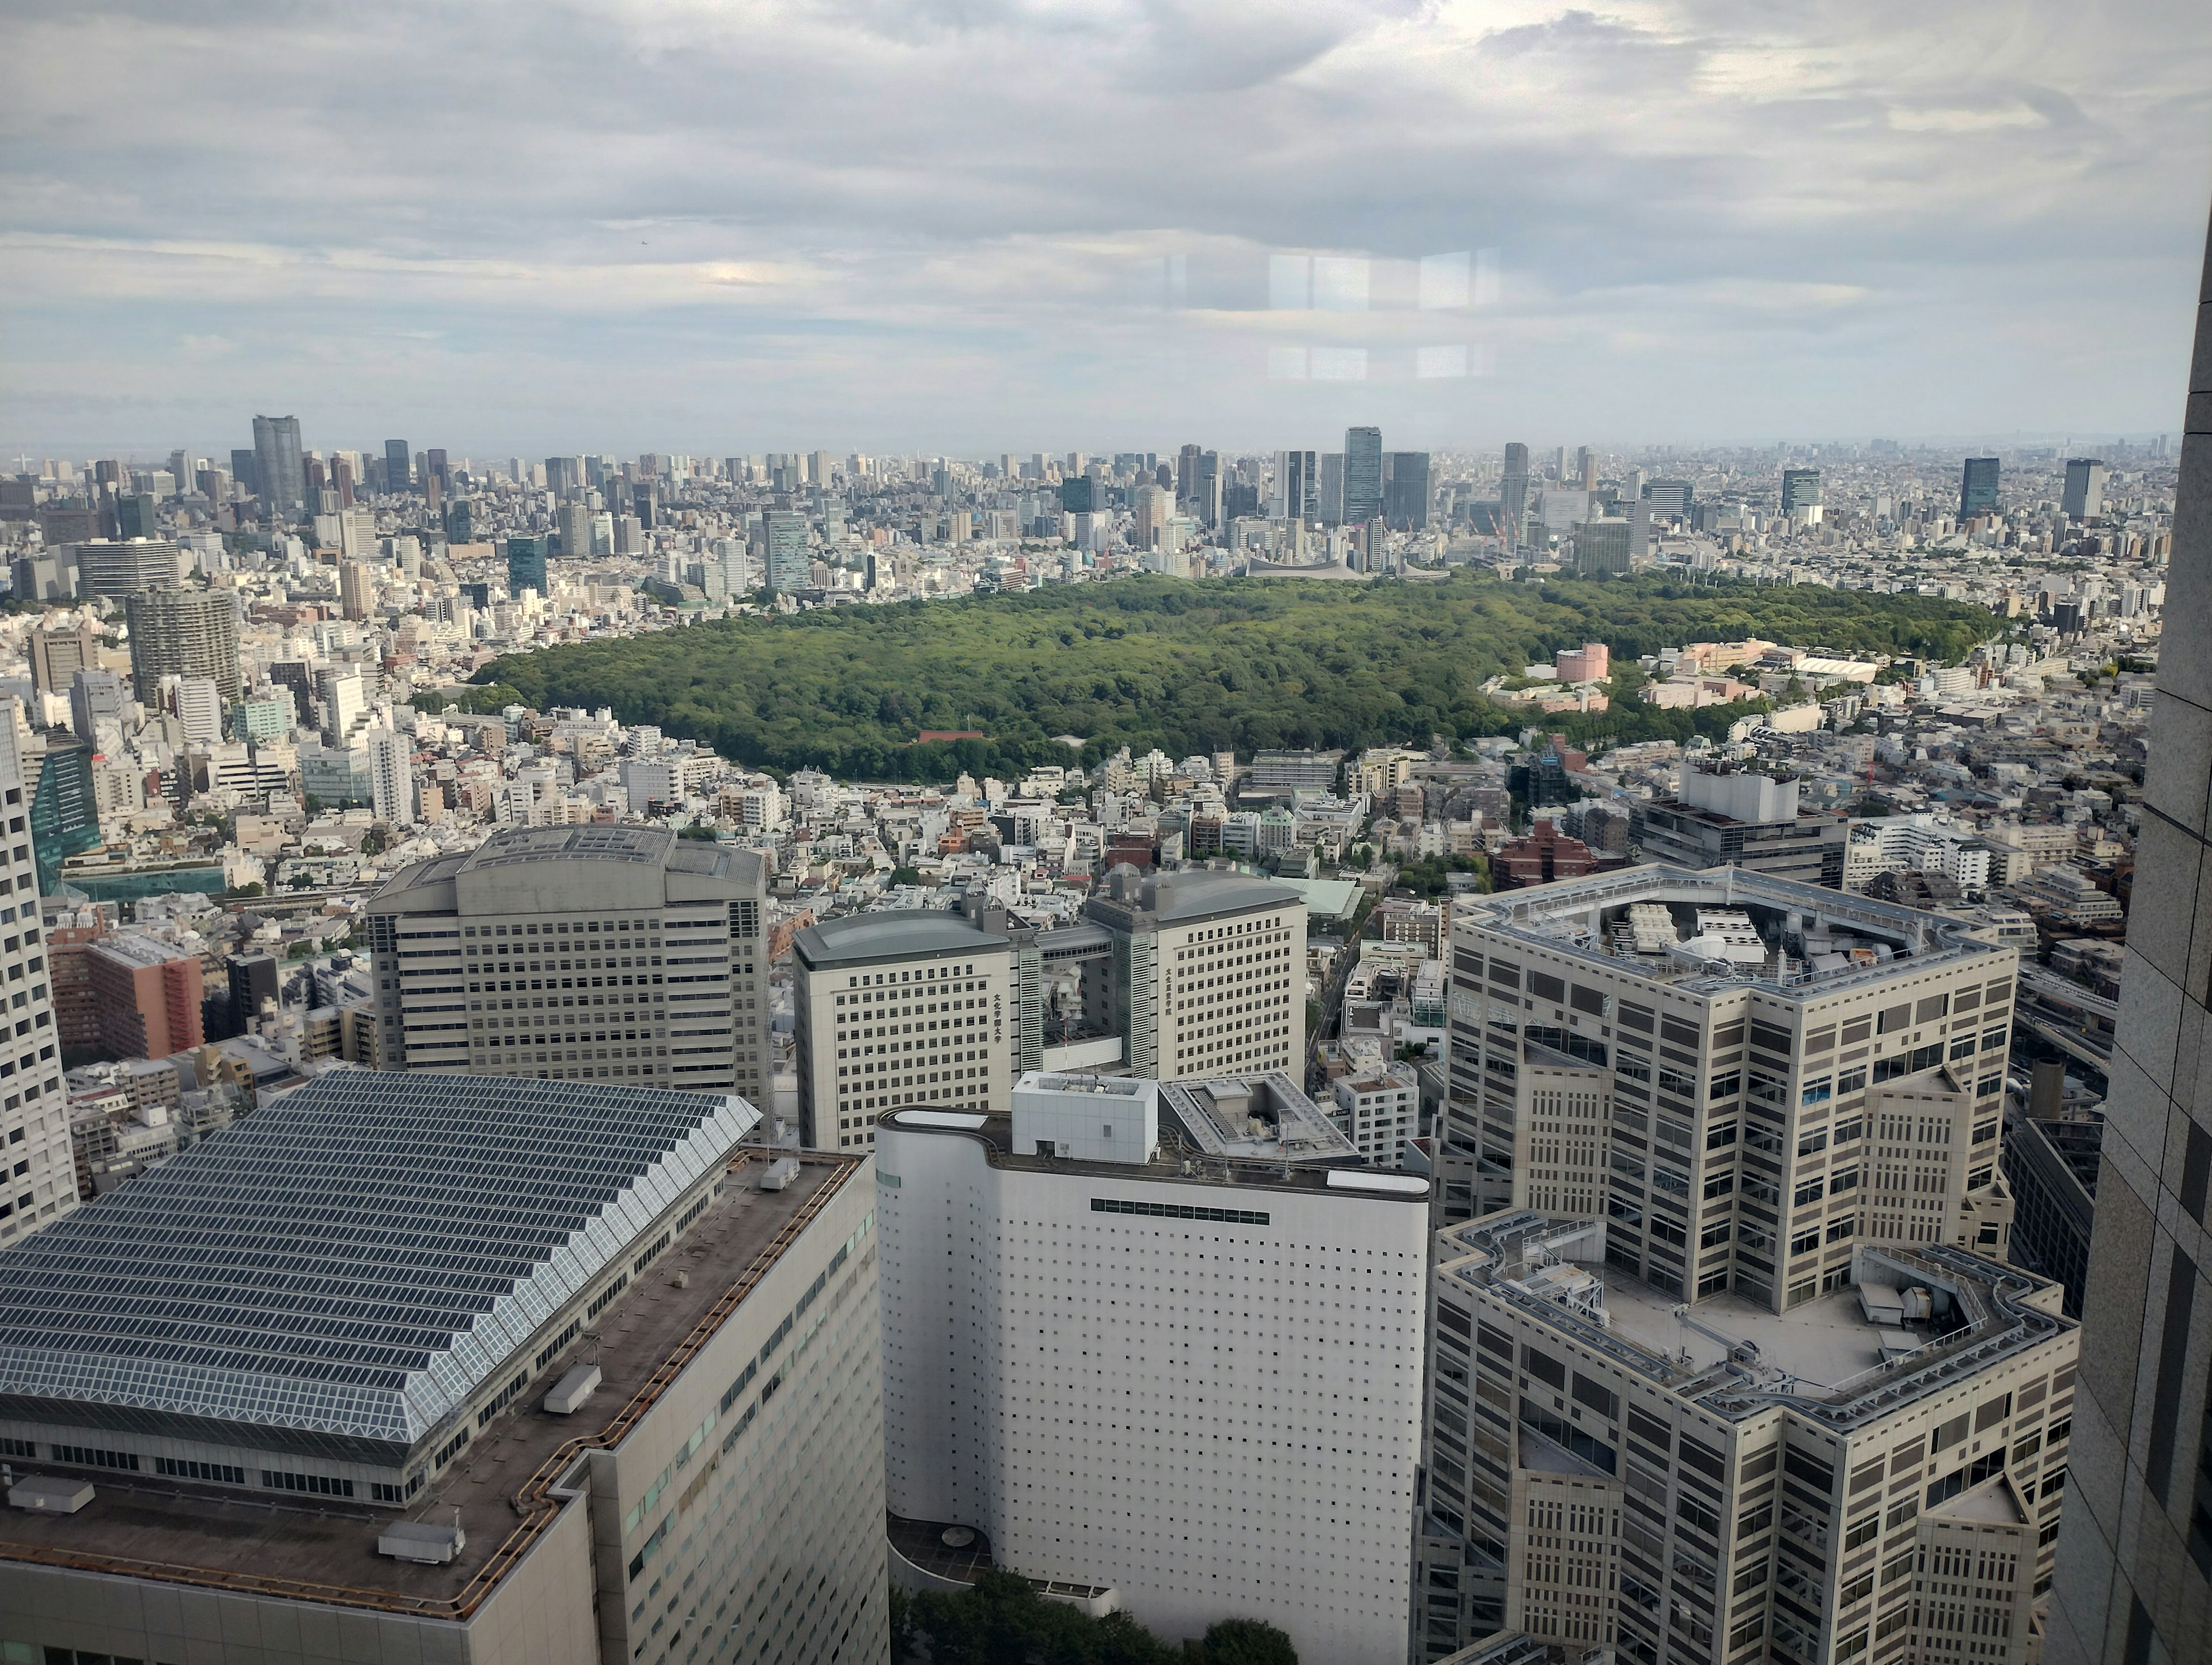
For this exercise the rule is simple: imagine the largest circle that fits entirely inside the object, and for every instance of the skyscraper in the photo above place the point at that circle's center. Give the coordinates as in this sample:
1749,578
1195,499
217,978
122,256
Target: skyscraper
2085,488
43,1186
1978,487
525,566
1206,497
279,469
1586,468
1331,509
1363,474
398,465
1801,492
788,568
183,633
1297,487
2135,1558
1513,489
1405,490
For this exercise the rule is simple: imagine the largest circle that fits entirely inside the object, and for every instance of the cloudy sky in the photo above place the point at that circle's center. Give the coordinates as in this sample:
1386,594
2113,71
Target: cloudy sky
982,225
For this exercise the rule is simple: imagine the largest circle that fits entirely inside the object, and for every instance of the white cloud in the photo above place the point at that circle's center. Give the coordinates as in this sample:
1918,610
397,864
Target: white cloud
974,223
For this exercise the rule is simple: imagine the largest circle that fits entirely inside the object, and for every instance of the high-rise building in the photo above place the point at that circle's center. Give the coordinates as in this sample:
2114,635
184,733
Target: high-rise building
2084,494
1586,468
1329,508
1297,487
790,567
97,698
525,566
901,1008
574,522
342,697
1876,1476
1671,499
1800,493
1602,546
1209,971
1406,489
1205,497
1186,477
1978,487
137,514
253,980
1754,823
1214,1407
41,1186
356,589
582,953
57,655
279,468
398,466
116,567
1754,1087
1513,490
2135,1574
1152,506
183,633
196,704
148,995
392,792
1363,474
310,1377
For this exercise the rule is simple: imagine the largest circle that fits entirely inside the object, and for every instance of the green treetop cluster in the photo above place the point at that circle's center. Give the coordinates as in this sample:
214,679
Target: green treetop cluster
1237,663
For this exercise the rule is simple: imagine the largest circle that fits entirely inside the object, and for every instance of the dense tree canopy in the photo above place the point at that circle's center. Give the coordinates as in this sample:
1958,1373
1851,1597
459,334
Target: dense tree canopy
1188,666
1000,1619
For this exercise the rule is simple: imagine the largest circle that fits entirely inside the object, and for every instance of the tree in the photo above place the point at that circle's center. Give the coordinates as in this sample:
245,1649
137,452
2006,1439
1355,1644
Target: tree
1246,1642
907,876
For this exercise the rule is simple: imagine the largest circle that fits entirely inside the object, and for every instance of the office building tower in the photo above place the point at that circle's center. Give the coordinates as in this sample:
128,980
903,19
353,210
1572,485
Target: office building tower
435,468
1877,1477
279,469
1800,493
97,699
1586,468
341,696
58,654
137,516
253,981
460,521
245,470
356,589
582,953
1602,547
357,538
1078,496
1205,499
41,1185
1297,487
183,633
1730,1065
574,523
1363,474
1208,971
645,501
525,566
1671,499
901,1008
789,563
1280,1485
1751,822
564,478
391,785
2052,1167
1978,488
64,816
398,466
147,993
116,567
1151,506
1405,490
2084,493
2135,1570
489,1481
197,706
1329,508
1186,476
1513,491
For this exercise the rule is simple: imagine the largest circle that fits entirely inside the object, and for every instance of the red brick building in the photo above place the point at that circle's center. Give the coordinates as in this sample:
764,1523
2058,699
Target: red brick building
147,995
1543,855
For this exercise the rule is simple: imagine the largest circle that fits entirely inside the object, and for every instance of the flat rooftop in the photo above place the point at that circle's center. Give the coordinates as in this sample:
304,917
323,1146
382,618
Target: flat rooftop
1588,918
1824,1358
1201,1170
141,1525
1216,1114
903,934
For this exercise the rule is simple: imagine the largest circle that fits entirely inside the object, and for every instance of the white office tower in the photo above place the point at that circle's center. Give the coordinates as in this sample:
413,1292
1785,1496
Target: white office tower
1209,970
1876,1477
1188,1386
910,1007
1748,1076
40,1185
391,777
578,954
483,1372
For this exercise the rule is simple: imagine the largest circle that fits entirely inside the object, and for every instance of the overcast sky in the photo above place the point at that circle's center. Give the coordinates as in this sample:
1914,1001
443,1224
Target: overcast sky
972,226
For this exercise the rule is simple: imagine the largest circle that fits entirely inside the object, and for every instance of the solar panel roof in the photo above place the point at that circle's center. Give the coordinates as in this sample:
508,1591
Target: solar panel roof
352,1261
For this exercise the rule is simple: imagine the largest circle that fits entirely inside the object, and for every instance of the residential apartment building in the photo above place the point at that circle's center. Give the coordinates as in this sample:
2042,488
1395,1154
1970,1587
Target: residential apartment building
1213,1407
1876,1477
1790,1071
1208,971
1379,1110
901,1008
416,1447
183,633
578,953
145,995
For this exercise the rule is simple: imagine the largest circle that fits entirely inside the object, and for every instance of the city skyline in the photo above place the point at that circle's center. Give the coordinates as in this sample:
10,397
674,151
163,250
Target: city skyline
823,235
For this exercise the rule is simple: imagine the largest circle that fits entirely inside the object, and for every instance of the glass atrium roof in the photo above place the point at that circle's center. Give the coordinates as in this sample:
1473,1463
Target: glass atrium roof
352,1259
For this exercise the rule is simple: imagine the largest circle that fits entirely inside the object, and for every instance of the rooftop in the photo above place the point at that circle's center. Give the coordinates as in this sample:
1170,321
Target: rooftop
1828,1360
1261,1118
874,939
343,1268
1810,931
325,1550
1174,1164
1187,897
519,859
